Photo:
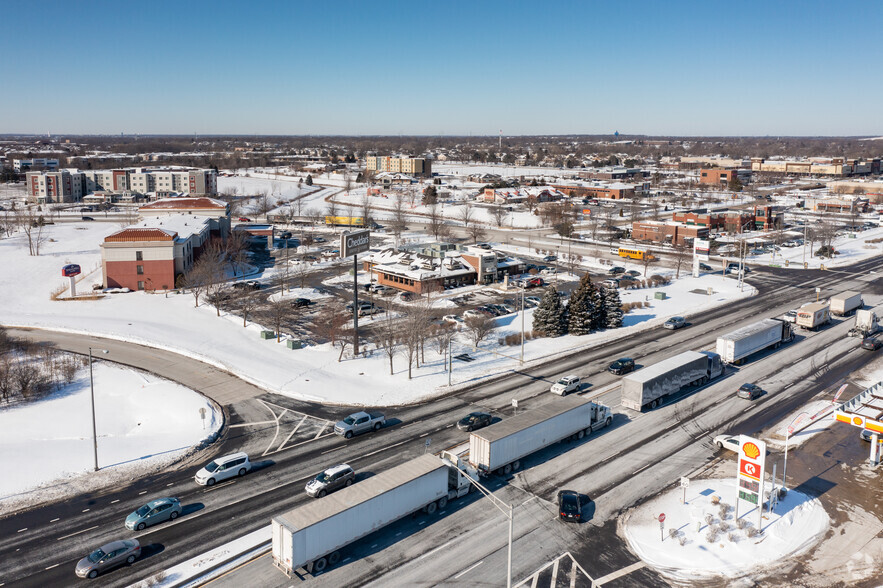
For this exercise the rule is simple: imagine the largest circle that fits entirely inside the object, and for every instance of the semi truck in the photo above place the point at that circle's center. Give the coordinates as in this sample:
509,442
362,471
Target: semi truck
648,387
736,346
813,315
845,302
501,446
865,324
312,536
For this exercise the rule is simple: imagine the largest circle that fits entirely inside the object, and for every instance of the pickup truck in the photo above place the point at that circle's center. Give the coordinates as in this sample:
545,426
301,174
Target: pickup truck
359,422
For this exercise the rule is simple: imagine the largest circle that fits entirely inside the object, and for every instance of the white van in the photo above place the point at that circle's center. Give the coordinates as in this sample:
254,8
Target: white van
223,468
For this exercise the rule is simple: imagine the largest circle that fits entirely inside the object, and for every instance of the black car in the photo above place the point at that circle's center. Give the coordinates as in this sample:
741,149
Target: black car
285,235
299,302
871,343
473,421
250,285
616,270
569,507
88,218
705,267
621,366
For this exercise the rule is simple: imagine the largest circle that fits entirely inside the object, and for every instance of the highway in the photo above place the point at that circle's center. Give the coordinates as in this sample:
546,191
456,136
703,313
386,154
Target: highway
40,546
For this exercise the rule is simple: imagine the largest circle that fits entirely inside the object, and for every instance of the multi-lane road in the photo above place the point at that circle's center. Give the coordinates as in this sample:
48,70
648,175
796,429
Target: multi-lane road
289,441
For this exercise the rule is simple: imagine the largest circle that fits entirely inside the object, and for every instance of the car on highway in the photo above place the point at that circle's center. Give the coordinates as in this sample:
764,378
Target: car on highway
622,366
566,385
727,442
340,476
223,468
473,421
569,507
749,391
790,316
359,422
871,343
705,267
675,322
155,511
301,302
88,218
244,219
107,557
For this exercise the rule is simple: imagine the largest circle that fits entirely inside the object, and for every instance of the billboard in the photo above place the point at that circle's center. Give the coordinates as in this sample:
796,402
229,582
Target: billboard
354,242
70,270
701,248
749,476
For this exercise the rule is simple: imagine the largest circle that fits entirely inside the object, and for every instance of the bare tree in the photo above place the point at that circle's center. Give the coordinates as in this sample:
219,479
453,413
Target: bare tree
499,215
278,314
366,208
387,336
284,268
34,228
465,214
235,248
648,260
476,232
129,216
330,323
300,271
478,328
681,253
436,221
245,302
263,204
399,220
200,276
331,210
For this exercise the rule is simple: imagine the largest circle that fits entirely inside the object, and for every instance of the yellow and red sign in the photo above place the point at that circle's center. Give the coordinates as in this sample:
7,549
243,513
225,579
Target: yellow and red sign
749,469
751,450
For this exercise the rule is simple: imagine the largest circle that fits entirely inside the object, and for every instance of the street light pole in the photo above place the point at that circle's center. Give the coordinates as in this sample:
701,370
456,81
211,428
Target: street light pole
509,557
522,324
92,394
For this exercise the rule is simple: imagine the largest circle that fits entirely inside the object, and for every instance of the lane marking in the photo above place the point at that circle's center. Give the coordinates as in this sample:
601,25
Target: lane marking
53,520
641,469
170,484
385,448
52,566
330,450
290,435
144,492
87,510
20,530
449,426
423,435
322,429
77,533
251,424
619,573
469,569
222,484
114,501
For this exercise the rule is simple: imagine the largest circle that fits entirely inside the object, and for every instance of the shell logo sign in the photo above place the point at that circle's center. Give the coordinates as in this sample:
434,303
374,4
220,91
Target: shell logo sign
857,421
751,450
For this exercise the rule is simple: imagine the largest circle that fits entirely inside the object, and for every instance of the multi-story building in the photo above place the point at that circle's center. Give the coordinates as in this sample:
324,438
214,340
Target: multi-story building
58,186
197,182
415,166
667,232
716,220
21,165
818,166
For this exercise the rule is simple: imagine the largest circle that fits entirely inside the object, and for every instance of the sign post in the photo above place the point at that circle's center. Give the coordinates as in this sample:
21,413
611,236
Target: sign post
351,244
750,474
515,405
71,271
685,483
202,416
661,519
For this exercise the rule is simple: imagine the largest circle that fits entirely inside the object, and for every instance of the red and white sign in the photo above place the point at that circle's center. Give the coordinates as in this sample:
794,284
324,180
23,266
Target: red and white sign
662,517
749,468
749,477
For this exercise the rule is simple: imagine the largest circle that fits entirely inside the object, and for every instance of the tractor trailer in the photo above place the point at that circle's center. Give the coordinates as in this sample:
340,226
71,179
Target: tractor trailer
312,535
813,315
649,386
845,302
501,446
736,346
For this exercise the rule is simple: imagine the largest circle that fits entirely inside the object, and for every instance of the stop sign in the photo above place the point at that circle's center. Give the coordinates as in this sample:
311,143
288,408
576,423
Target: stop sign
661,517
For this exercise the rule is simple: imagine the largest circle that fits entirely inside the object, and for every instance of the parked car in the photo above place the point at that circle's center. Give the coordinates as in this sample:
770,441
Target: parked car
244,219
675,322
790,316
871,343
406,296
566,385
621,366
616,270
531,301
363,304
569,507
340,476
610,283
550,258
285,235
473,421
633,273
370,310
705,267
318,239
727,442
107,557
534,283
301,302
749,391
155,511
475,313
222,468
484,245
88,218
453,319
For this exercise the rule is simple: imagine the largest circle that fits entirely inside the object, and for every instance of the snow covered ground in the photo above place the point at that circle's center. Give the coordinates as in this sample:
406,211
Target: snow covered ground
143,423
172,322
796,525
850,250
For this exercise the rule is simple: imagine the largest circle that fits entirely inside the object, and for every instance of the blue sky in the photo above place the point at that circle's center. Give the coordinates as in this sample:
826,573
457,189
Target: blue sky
454,68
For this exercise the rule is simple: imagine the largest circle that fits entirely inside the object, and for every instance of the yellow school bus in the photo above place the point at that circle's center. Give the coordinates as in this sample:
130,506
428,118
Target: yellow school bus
345,221
634,253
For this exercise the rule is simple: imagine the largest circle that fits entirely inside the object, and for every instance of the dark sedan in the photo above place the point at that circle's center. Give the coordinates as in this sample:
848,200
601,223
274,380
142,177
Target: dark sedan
569,507
473,421
107,557
621,366
871,343
301,302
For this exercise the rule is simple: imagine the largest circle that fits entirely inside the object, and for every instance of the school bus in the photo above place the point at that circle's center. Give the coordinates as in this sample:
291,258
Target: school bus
634,253
346,221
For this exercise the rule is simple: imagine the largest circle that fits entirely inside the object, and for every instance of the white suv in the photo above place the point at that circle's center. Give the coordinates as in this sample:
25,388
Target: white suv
565,385
223,468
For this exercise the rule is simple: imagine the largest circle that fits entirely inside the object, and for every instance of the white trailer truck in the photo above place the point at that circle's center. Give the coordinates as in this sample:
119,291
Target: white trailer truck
648,387
812,316
312,535
736,346
501,446
865,324
845,302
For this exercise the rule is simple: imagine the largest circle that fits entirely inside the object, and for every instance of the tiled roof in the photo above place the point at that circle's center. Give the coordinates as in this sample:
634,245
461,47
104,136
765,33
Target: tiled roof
141,234
185,204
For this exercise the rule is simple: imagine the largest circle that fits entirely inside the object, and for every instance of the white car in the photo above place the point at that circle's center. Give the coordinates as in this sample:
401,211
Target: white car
727,442
454,319
222,468
565,385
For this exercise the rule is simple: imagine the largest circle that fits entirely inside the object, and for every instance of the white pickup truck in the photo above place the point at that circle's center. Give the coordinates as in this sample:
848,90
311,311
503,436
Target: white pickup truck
359,422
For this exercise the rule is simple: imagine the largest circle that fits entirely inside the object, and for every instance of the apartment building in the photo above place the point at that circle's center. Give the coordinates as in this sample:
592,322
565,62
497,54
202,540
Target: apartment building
42,185
47,187
403,165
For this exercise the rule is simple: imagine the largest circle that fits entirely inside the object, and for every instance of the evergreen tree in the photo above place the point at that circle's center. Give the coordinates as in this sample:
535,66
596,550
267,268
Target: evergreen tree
309,180
581,309
599,318
549,318
612,308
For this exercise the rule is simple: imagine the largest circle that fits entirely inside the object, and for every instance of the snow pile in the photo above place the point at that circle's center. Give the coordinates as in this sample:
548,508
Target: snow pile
819,416
798,523
143,422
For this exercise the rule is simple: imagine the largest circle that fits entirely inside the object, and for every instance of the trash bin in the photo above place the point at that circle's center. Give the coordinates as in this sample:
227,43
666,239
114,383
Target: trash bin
268,335
659,296
294,343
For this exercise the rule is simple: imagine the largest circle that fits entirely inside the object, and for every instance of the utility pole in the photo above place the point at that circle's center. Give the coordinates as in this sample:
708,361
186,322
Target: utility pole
92,394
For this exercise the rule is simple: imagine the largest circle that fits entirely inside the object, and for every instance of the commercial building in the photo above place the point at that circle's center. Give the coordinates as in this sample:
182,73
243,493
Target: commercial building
817,166
612,190
667,232
872,190
45,187
717,177
715,220
208,207
414,166
22,165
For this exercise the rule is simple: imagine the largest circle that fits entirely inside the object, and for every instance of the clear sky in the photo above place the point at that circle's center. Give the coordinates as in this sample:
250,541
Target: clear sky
442,67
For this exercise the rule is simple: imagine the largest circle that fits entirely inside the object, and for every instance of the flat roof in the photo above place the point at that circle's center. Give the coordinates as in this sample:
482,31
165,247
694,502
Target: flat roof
530,417
658,369
313,512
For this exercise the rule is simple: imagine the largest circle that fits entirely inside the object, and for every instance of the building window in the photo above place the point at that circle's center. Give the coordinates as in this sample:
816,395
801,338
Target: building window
138,256
140,285
139,269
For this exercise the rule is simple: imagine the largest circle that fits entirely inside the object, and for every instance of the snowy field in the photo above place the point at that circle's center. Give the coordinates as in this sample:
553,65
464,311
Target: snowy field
796,525
172,322
143,424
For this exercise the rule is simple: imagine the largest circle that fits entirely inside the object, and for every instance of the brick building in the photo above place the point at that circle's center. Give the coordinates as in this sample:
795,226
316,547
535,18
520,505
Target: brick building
46,187
716,177
70,185
667,232
415,166
612,191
